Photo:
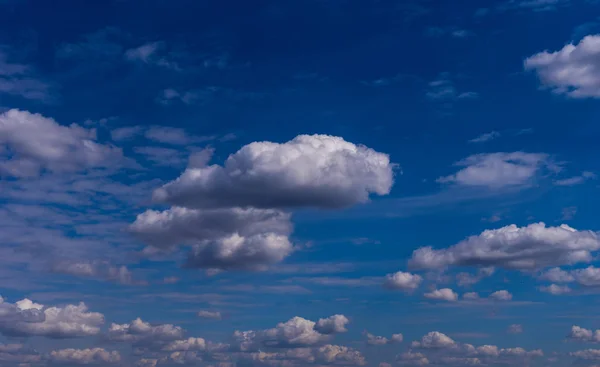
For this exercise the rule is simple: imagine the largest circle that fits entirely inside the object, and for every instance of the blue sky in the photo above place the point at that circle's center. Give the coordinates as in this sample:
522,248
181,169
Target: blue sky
293,183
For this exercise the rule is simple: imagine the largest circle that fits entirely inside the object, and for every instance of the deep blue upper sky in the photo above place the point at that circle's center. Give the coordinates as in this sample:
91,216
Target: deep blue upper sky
220,166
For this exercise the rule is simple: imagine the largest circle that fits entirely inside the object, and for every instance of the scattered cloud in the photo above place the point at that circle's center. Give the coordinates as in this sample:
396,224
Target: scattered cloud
486,137
403,281
214,315
524,248
576,180
497,170
573,71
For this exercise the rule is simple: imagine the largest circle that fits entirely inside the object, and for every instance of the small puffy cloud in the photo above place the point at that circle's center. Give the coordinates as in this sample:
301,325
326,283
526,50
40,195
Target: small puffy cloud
515,329
332,325
37,144
580,334
573,71
84,356
142,333
502,295
498,170
310,170
214,315
434,340
403,281
485,137
556,290
444,294
336,354
523,248
26,318
382,340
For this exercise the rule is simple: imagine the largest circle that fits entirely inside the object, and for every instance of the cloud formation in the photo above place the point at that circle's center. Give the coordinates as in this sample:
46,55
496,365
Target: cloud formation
309,171
523,248
38,144
573,71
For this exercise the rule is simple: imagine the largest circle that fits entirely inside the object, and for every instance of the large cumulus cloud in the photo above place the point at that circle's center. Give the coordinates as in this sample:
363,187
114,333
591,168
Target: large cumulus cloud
309,171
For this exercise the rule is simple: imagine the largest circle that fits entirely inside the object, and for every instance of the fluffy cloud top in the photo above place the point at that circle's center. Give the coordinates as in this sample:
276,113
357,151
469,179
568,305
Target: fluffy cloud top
25,318
403,281
502,295
573,71
497,170
31,143
142,333
317,171
532,247
296,332
335,354
581,334
444,294
434,339
381,340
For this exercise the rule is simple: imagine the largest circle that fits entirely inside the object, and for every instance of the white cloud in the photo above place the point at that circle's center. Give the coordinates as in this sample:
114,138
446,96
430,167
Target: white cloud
172,135
296,332
26,318
485,137
556,289
465,279
412,359
318,170
434,340
588,354
143,53
215,315
180,226
332,325
471,296
586,335
497,170
236,252
97,269
573,71
38,143
533,247
336,354
142,333
444,294
382,340
501,296
85,356
403,281
557,275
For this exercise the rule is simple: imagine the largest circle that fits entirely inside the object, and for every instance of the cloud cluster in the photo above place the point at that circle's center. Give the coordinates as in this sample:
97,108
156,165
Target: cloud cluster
141,333
498,170
31,143
524,248
585,335
444,294
381,340
26,318
232,216
296,332
573,71
438,348
84,356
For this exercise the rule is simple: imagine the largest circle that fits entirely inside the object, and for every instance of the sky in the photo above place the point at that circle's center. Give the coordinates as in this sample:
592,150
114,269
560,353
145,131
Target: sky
279,183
